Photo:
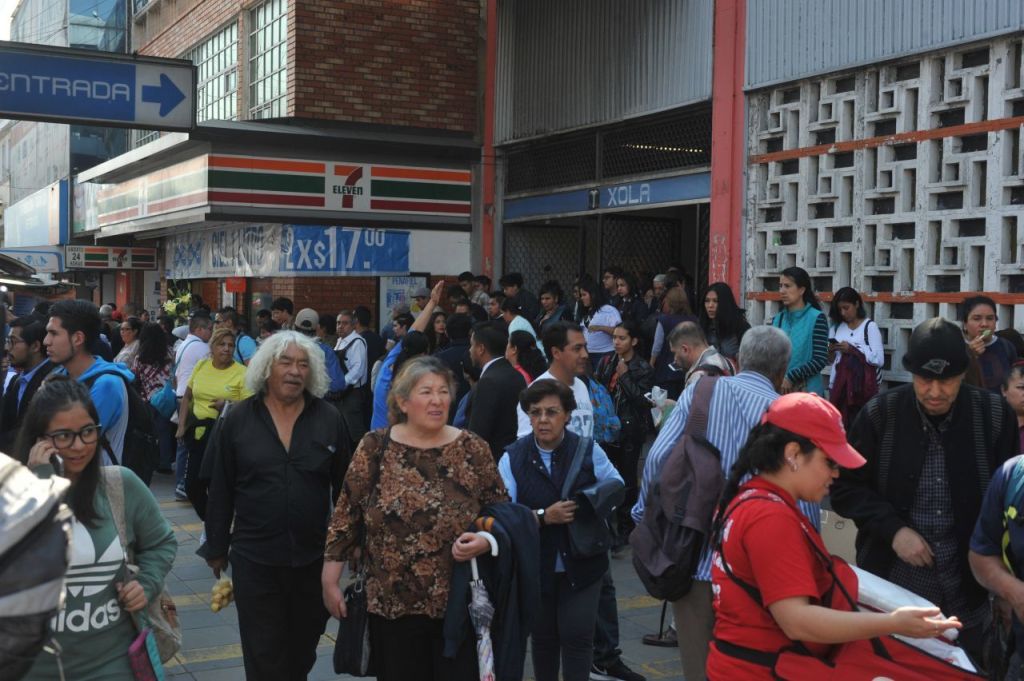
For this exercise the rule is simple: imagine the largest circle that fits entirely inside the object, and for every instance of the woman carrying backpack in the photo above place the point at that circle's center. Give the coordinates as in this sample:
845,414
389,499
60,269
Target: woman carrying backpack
855,352
102,595
772,584
152,368
628,379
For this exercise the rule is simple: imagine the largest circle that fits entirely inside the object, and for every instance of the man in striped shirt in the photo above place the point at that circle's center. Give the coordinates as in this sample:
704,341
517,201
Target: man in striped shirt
737,405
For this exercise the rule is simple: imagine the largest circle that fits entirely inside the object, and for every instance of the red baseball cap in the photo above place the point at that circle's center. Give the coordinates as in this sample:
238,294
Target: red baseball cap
818,420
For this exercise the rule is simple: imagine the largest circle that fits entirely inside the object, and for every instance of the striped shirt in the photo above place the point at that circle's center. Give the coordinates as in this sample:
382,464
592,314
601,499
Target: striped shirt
737,405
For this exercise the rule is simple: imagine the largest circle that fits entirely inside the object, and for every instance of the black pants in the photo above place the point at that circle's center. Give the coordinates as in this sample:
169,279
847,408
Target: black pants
195,486
410,648
281,615
625,456
563,632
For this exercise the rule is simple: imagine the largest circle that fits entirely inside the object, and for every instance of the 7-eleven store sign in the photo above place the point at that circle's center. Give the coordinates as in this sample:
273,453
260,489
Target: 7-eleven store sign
110,258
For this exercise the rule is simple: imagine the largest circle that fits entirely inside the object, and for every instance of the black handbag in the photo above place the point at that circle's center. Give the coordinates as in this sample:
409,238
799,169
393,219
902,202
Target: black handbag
353,654
589,534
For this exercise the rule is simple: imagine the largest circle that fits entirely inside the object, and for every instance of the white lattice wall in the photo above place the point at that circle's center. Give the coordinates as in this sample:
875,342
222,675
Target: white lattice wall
905,181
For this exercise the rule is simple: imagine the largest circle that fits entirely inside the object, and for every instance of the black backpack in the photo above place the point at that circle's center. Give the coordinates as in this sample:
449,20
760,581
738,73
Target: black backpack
668,541
35,534
141,451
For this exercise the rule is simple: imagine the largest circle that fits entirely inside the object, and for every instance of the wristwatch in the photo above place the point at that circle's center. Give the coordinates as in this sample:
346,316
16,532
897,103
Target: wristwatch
540,516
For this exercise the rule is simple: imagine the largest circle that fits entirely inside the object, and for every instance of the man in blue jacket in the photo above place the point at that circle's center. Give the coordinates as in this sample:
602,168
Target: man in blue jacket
71,341
306,323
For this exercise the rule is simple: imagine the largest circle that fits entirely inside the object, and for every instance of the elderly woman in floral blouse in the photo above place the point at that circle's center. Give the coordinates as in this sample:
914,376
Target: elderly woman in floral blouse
409,493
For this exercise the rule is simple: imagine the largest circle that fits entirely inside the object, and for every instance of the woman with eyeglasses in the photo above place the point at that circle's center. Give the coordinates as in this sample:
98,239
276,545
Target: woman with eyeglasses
773,580
563,633
61,435
129,330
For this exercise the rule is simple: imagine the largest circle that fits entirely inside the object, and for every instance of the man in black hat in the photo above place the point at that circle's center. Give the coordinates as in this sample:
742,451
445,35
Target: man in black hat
932,446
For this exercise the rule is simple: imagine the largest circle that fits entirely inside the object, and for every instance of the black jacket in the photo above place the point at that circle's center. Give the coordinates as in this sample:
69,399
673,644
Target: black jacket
513,584
12,412
279,499
888,432
631,406
456,356
493,403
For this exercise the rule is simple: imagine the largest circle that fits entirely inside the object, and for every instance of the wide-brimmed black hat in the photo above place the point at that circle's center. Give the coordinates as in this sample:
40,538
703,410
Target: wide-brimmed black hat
937,350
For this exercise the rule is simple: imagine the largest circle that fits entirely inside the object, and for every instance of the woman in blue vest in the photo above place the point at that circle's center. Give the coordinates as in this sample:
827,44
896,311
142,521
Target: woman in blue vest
534,469
803,321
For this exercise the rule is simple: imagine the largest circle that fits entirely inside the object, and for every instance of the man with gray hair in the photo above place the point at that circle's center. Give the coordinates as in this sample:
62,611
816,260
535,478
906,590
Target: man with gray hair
737,405
279,460
691,352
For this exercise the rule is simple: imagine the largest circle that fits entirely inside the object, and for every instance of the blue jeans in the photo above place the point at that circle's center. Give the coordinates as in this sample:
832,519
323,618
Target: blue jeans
180,459
165,436
606,631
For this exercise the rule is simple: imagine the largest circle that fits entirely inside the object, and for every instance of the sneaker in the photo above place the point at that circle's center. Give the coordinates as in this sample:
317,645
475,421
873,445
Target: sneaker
179,494
616,671
666,639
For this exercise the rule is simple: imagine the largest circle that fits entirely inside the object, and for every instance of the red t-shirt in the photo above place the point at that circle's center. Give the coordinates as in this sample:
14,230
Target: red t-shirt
767,548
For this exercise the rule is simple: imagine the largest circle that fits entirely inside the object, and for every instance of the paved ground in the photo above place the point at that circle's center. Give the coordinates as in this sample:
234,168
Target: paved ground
211,650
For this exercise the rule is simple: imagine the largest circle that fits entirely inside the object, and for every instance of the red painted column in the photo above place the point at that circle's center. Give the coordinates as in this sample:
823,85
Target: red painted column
487,156
728,137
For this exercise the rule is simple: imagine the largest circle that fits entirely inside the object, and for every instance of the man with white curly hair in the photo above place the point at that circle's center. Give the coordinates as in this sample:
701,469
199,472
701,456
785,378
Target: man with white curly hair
279,459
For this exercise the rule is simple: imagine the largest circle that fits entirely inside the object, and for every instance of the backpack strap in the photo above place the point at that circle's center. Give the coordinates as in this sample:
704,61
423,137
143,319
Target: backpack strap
113,484
1012,511
700,406
582,447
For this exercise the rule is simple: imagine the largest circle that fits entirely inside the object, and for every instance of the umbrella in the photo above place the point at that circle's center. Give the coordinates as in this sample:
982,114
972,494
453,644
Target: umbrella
481,612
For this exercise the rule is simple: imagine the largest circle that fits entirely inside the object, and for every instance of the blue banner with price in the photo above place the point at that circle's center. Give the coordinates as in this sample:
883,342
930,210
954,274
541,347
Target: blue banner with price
343,250
282,250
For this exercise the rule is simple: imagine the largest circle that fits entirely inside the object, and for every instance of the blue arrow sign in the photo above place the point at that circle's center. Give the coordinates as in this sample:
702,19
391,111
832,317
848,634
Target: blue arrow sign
167,95
63,85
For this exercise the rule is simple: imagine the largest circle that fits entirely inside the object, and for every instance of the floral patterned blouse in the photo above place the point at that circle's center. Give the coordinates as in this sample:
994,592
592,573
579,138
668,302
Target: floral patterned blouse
424,500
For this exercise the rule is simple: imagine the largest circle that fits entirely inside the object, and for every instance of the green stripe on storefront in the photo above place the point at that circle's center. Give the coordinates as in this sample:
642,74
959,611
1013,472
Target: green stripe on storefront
226,179
96,257
111,204
419,190
176,186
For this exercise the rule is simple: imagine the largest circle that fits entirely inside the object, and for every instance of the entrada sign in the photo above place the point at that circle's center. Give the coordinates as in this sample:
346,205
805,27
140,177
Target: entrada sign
58,84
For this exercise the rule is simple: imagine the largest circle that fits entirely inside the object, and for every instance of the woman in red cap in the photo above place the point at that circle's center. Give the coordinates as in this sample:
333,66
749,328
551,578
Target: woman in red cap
772,586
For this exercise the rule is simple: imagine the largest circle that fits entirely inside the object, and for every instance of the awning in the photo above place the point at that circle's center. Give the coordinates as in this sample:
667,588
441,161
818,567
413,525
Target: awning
288,172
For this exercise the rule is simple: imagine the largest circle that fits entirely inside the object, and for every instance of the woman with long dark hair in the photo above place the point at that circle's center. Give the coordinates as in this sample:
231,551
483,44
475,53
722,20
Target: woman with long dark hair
61,435
631,303
723,321
628,378
803,321
437,332
552,307
599,320
129,330
765,546
855,352
522,353
152,368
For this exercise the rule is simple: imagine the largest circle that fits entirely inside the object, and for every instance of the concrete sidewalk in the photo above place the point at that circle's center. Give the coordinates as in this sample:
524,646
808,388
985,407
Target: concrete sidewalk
211,650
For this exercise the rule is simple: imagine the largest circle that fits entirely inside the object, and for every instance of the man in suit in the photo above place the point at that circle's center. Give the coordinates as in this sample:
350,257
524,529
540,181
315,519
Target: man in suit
496,395
28,358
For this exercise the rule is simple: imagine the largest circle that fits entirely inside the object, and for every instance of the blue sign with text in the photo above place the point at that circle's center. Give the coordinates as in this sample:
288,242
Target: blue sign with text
350,250
63,85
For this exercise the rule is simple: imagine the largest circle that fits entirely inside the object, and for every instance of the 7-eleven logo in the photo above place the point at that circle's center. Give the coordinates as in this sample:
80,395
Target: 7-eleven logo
346,183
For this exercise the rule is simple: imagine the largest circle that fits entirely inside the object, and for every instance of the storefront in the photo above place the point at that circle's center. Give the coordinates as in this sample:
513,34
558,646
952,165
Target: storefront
318,218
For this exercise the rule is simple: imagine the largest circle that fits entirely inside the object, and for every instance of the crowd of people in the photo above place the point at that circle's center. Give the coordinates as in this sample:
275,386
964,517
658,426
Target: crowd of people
549,421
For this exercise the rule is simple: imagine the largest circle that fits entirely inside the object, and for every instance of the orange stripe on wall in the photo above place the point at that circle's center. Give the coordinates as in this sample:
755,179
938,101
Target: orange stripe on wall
420,174
344,170
266,164
871,142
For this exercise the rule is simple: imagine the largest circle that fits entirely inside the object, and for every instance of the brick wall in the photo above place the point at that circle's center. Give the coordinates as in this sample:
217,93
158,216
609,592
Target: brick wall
401,63
411,63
